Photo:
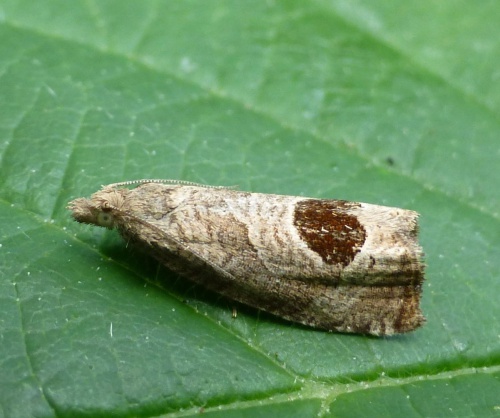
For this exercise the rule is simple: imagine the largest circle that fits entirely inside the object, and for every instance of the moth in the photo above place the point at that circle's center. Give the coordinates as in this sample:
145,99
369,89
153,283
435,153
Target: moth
330,264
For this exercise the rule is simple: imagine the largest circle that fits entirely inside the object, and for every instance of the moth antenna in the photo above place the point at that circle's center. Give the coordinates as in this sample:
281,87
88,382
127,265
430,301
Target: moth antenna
162,181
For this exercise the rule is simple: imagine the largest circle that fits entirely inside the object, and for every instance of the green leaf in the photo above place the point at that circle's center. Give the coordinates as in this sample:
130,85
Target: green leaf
392,103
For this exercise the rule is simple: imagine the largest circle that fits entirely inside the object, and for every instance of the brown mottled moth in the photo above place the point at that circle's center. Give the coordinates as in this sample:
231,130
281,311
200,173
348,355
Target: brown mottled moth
329,264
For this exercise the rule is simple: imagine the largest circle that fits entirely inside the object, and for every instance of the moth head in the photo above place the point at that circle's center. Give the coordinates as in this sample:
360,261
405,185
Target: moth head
101,209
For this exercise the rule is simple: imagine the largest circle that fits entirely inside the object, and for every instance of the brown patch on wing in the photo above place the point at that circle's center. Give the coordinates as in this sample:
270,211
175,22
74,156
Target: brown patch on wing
329,230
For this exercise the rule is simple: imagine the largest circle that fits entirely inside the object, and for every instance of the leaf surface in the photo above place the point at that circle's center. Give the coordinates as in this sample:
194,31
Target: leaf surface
382,102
